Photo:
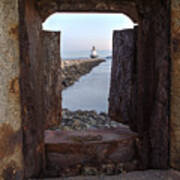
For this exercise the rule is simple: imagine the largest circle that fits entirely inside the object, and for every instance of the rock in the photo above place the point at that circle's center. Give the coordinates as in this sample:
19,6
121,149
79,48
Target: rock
83,120
90,171
108,169
72,70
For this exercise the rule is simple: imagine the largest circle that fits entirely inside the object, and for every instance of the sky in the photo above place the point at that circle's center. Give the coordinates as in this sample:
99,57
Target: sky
79,32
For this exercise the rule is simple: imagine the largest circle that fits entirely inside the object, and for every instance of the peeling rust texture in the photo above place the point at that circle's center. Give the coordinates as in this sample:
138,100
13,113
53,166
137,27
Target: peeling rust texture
12,172
13,31
52,79
9,140
31,87
14,86
153,75
175,85
48,7
120,106
153,83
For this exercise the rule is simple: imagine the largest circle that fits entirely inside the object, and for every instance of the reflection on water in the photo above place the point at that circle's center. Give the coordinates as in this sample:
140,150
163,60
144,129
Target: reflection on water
91,92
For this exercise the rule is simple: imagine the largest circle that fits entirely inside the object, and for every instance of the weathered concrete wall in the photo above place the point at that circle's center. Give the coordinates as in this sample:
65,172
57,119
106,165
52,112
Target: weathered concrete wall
120,105
52,79
175,84
11,156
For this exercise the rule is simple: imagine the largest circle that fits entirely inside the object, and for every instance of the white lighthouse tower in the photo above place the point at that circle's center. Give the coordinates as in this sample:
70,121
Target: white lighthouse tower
93,53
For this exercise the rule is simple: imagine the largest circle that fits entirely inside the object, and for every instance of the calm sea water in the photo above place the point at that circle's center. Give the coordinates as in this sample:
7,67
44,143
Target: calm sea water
91,92
83,54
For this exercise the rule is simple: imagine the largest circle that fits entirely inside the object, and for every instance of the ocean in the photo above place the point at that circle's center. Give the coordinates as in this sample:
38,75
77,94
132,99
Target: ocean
91,92
83,54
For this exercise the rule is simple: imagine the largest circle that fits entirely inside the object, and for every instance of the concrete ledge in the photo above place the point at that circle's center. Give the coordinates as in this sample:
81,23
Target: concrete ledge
89,152
136,175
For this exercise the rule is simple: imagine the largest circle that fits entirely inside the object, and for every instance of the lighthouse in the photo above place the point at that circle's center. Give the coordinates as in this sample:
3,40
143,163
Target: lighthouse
93,53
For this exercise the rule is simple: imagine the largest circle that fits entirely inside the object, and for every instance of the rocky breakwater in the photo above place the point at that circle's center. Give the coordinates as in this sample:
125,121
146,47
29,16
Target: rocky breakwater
72,70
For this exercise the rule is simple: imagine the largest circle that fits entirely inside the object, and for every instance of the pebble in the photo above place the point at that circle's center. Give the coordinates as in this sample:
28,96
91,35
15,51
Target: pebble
83,120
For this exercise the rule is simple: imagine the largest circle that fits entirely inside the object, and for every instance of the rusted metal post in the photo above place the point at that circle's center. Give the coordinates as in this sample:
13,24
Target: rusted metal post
52,79
120,105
